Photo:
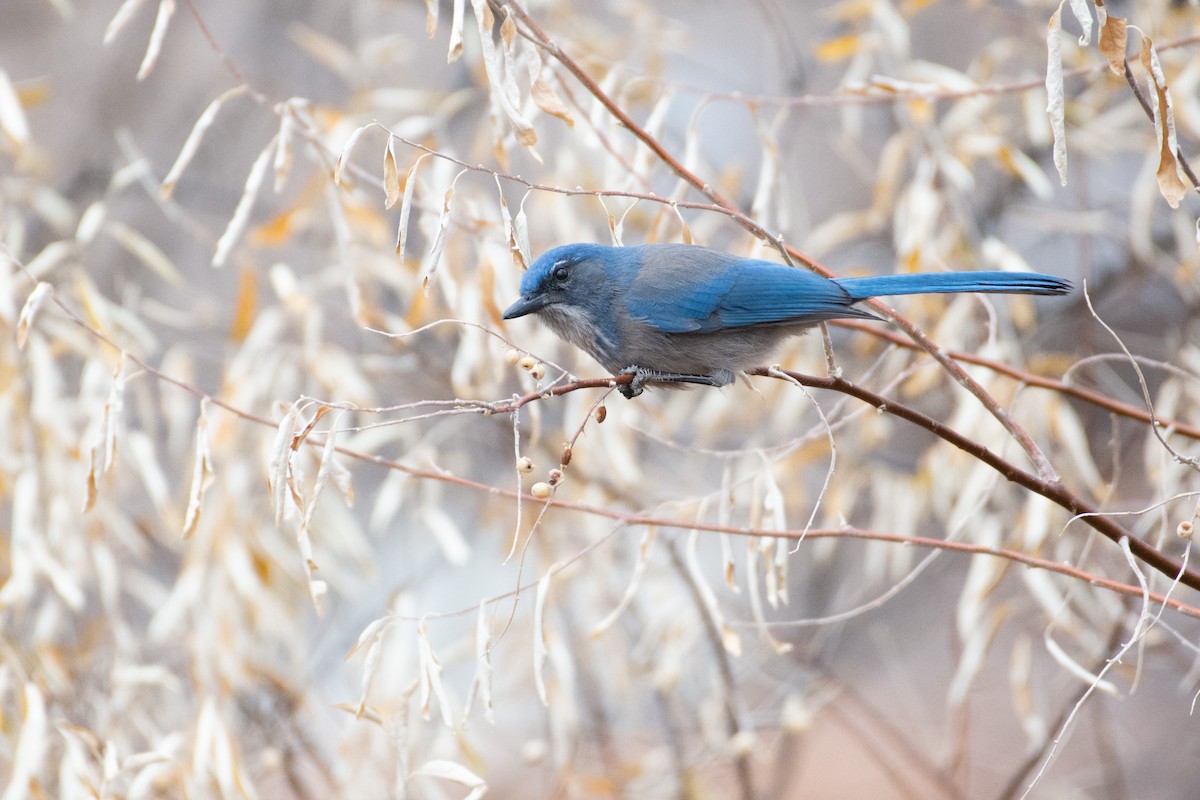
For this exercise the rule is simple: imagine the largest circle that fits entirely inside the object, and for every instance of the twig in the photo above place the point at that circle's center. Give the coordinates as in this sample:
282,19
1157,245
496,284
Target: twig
1034,453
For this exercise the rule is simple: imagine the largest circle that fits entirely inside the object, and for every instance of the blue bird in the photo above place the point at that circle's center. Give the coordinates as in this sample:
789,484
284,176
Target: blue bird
677,313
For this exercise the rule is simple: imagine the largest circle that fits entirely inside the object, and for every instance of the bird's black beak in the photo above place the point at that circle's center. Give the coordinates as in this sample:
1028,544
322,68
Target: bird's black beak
528,304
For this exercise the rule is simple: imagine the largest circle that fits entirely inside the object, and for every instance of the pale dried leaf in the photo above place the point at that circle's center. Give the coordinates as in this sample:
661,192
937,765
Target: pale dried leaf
729,637
26,763
548,100
1075,668
121,19
12,116
456,32
501,79
241,214
1020,676
391,175
29,311
90,222
1083,12
481,684
282,164
431,677
202,474
639,568
439,238
114,407
166,10
348,150
406,203
457,773
431,17
281,455
1170,182
685,232
144,250
447,534
192,143
972,659
539,636
753,556
1055,93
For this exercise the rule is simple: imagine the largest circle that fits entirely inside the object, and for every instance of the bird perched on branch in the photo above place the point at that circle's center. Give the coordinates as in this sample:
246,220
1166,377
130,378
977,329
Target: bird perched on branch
677,313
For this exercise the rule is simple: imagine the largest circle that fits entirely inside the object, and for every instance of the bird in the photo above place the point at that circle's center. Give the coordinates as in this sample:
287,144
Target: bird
678,314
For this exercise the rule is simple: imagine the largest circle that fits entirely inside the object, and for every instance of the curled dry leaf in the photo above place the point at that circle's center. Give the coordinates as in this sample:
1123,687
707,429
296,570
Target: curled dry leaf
241,214
481,684
202,474
347,150
12,116
1113,39
166,10
548,100
410,185
431,17
539,635
456,773
192,143
503,82
391,175
1169,181
456,32
1055,96
29,312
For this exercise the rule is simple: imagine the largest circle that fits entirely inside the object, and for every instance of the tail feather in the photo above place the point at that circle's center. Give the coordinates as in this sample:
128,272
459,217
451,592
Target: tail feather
943,282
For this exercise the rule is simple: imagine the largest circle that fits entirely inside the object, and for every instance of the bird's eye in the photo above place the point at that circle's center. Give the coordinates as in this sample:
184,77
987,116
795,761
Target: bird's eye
560,273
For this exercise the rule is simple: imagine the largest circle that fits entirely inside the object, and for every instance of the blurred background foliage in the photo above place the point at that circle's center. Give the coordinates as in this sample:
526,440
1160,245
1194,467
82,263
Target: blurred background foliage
202,207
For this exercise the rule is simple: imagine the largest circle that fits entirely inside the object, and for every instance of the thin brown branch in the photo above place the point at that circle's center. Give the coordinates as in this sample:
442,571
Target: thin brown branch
1145,104
1033,379
1034,453
1050,489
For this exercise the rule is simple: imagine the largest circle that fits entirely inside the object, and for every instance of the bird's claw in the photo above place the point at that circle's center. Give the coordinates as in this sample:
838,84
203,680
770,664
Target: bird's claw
636,384
643,376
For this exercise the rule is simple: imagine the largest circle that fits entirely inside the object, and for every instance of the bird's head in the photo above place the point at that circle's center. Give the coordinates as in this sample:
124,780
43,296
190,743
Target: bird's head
569,280
574,290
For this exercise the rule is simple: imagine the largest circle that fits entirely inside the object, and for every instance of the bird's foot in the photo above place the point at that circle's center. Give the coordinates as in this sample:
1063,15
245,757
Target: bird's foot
643,376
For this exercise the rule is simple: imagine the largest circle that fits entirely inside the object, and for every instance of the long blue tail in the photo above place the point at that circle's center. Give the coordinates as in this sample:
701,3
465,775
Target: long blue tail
943,282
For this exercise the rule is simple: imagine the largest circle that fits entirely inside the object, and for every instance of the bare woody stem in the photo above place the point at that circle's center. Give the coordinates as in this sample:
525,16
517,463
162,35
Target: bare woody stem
539,37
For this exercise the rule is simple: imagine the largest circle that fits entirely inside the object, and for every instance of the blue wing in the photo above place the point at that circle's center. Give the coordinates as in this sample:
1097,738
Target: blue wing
686,289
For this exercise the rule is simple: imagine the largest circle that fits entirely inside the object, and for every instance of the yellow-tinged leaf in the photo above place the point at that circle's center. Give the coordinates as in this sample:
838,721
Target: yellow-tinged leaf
245,306
838,49
391,175
32,95
275,231
508,31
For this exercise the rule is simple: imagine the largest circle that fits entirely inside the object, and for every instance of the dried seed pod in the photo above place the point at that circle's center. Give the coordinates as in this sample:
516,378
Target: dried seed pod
527,362
566,457
601,414
525,464
538,371
556,477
